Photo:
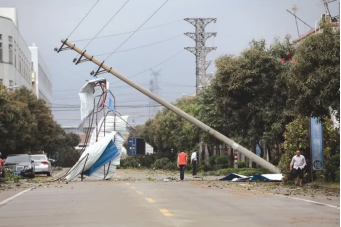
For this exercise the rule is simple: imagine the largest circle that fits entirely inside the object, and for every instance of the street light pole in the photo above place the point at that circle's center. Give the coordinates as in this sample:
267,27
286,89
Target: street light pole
171,107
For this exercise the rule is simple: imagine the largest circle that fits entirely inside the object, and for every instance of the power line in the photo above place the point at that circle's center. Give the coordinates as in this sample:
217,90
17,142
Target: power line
117,87
151,67
83,18
105,25
123,33
136,30
142,46
127,106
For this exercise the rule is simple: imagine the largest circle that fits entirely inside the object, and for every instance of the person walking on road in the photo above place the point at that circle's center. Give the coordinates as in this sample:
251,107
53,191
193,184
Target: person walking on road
194,163
182,163
298,163
2,169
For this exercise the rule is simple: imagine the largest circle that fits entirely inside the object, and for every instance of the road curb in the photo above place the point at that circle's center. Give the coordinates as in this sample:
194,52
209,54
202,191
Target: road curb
306,200
13,197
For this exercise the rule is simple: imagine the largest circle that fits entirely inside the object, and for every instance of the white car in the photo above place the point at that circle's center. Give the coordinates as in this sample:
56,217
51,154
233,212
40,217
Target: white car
42,164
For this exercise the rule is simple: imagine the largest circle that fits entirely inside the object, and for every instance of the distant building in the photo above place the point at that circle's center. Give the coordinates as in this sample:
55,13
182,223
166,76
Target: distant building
317,29
41,76
15,56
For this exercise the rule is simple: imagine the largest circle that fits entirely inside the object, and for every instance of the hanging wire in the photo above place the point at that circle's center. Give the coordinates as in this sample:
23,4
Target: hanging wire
123,33
83,18
136,30
105,25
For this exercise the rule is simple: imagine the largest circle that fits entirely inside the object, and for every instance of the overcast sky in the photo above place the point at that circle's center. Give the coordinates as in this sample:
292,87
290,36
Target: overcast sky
46,22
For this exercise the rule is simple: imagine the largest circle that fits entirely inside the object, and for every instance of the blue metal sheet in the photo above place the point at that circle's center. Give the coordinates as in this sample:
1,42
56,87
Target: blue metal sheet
108,155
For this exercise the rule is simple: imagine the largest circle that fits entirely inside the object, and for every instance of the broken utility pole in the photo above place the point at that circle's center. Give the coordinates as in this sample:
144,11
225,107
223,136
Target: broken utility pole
102,68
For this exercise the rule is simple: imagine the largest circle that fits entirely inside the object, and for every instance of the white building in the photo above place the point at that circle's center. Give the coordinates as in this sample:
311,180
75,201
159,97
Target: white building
21,65
41,76
15,56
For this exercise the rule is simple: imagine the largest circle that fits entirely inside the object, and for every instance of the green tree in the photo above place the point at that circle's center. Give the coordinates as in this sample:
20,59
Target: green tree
248,89
27,126
314,80
41,120
169,131
16,126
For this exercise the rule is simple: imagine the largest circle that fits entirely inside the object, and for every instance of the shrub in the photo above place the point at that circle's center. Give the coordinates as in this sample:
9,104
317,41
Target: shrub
332,168
203,167
171,166
219,162
213,160
284,164
129,162
10,176
243,165
161,163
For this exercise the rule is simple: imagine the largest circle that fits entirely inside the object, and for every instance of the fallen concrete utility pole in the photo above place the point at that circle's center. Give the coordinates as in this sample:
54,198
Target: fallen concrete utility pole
260,161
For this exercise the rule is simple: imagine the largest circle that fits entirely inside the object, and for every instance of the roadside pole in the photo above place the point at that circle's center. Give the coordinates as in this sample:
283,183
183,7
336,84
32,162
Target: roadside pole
235,163
169,106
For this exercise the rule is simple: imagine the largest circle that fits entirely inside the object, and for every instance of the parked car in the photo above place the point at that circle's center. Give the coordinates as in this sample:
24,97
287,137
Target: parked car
42,164
20,164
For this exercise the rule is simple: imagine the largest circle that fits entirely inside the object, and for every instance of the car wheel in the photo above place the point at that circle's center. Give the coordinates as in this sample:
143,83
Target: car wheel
48,174
32,176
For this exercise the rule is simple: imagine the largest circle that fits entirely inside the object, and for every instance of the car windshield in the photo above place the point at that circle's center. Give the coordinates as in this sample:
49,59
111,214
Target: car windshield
39,157
17,158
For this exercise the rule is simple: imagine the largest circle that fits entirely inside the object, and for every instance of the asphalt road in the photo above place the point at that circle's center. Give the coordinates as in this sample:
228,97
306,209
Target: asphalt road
158,204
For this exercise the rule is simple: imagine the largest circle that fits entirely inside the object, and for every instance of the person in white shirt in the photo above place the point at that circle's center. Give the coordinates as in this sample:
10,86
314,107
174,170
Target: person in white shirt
296,166
194,162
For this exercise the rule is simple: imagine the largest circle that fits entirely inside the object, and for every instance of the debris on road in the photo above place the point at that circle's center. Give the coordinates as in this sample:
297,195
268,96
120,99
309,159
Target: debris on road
233,177
104,133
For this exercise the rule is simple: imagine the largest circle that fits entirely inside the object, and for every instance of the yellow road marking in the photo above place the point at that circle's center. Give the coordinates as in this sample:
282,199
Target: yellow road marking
127,184
150,200
166,213
132,187
140,193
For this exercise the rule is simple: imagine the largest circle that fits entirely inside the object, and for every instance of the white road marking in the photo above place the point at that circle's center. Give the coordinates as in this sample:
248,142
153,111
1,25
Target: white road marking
309,201
13,197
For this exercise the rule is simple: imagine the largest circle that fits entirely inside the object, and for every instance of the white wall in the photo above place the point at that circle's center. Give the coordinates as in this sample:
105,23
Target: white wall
10,13
149,149
43,76
18,70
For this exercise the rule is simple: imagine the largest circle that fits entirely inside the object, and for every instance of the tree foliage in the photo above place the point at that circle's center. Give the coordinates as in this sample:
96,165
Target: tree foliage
266,93
169,131
314,80
27,126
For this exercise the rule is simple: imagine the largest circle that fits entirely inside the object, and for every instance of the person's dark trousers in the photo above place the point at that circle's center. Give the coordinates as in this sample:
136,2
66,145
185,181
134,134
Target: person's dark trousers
194,166
182,171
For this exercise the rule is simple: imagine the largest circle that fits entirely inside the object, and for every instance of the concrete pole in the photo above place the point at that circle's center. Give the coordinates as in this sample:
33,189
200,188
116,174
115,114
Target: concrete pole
177,111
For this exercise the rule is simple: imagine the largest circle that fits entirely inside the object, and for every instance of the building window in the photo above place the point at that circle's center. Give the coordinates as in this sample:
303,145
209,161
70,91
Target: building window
10,53
10,38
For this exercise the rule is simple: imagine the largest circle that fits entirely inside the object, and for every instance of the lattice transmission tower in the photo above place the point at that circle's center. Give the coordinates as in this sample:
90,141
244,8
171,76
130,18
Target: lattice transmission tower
200,50
155,88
